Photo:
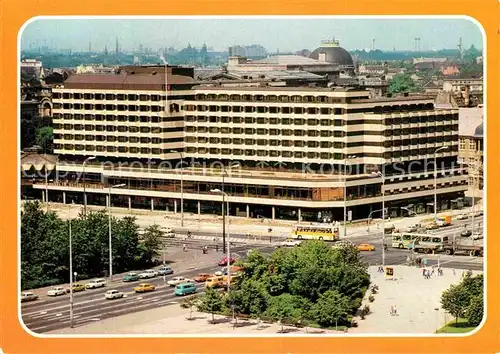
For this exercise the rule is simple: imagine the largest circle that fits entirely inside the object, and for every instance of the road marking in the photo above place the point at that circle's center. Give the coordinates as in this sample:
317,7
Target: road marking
139,298
43,312
58,314
173,302
34,329
154,300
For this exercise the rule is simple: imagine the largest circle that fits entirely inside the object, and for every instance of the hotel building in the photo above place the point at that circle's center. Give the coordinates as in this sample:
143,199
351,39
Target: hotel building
295,152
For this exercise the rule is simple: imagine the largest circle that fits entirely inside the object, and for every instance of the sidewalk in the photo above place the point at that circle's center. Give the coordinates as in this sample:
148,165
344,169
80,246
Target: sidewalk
416,299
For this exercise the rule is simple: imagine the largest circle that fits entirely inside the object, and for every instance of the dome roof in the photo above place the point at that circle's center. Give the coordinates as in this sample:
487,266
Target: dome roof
479,131
334,54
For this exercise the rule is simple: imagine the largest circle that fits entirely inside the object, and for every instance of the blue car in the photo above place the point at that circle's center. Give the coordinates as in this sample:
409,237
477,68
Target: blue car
185,289
165,270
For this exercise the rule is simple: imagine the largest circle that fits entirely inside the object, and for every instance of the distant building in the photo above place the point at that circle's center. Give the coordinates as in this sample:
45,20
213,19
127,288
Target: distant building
471,146
251,51
429,60
372,69
330,51
32,68
450,70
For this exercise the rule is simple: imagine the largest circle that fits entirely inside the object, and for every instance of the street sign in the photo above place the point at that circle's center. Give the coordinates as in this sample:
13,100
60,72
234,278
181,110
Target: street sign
349,215
389,272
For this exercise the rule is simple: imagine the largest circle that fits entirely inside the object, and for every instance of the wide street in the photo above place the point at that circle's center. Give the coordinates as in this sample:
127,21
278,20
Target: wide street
48,314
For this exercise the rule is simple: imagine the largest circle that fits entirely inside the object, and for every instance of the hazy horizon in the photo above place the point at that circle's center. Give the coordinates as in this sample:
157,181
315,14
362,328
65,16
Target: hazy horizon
283,34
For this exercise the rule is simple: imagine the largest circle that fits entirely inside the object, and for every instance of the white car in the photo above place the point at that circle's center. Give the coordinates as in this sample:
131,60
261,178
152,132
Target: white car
478,213
477,236
462,217
290,243
147,274
218,273
56,291
96,283
113,294
178,280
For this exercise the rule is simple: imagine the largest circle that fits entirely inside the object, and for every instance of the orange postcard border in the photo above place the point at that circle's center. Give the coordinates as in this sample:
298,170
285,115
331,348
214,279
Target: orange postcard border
13,338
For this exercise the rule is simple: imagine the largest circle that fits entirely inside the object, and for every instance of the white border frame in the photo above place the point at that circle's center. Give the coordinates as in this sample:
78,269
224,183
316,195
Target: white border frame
229,335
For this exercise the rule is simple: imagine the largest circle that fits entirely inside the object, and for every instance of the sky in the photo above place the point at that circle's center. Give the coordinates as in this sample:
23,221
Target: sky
283,34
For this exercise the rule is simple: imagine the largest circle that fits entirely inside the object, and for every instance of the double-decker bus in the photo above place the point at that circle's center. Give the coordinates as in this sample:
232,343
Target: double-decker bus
324,232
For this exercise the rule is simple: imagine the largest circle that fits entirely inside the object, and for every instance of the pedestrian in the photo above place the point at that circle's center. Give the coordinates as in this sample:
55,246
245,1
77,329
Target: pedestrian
454,273
395,311
423,272
184,248
391,311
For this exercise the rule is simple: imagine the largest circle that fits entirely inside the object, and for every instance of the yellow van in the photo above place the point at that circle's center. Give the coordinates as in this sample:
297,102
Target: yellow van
214,282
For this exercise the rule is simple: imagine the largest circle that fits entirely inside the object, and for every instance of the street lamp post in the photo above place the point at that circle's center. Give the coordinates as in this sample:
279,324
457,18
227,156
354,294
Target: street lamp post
84,192
345,192
70,277
382,177
46,188
182,187
228,255
224,196
435,180
110,233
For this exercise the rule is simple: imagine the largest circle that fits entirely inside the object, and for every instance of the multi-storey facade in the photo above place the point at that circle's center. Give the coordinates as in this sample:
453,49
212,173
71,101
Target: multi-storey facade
299,151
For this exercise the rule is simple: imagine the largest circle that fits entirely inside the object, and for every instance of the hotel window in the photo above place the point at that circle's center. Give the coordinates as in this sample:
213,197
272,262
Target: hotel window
225,130
261,142
326,145
237,120
249,131
286,110
214,140
312,144
214,130
145,129
202,140
237,109
237,141
312,133
133,129
226,141
224,151
202,129
299,154
249,141
325,156
286,132
249,120
274,153
249,109
274,143
287,143
274,110
299,121
298,132
325,133
274,121
225,119
134,150
262,121
274,132
338,122
261,109
286,154
286,121
237,151
299,143
214,119
237,130
298,110
261,131
145,150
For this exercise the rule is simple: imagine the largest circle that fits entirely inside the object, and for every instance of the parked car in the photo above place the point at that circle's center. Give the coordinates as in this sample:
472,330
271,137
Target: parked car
145,287
185,289
462,217
28,296
113,294
200,278
366,247
412,228
177,280
223,261
56,291
147,274
168,232
466,233
165,270
96,283
131,277
478,213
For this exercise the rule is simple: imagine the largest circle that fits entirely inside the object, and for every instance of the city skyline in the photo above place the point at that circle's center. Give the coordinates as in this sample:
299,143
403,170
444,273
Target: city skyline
300,33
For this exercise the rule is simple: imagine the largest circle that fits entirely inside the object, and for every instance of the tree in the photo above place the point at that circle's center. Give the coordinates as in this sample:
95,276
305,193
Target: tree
331,308
250,298
189,303
401,83
288,308
475,311
211,302
151,242
45,139
455,300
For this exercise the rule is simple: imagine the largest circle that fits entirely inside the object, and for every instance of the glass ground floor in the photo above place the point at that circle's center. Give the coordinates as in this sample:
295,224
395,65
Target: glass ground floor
403,207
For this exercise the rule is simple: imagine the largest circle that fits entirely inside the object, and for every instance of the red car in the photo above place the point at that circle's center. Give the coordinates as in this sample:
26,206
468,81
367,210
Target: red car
223,261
